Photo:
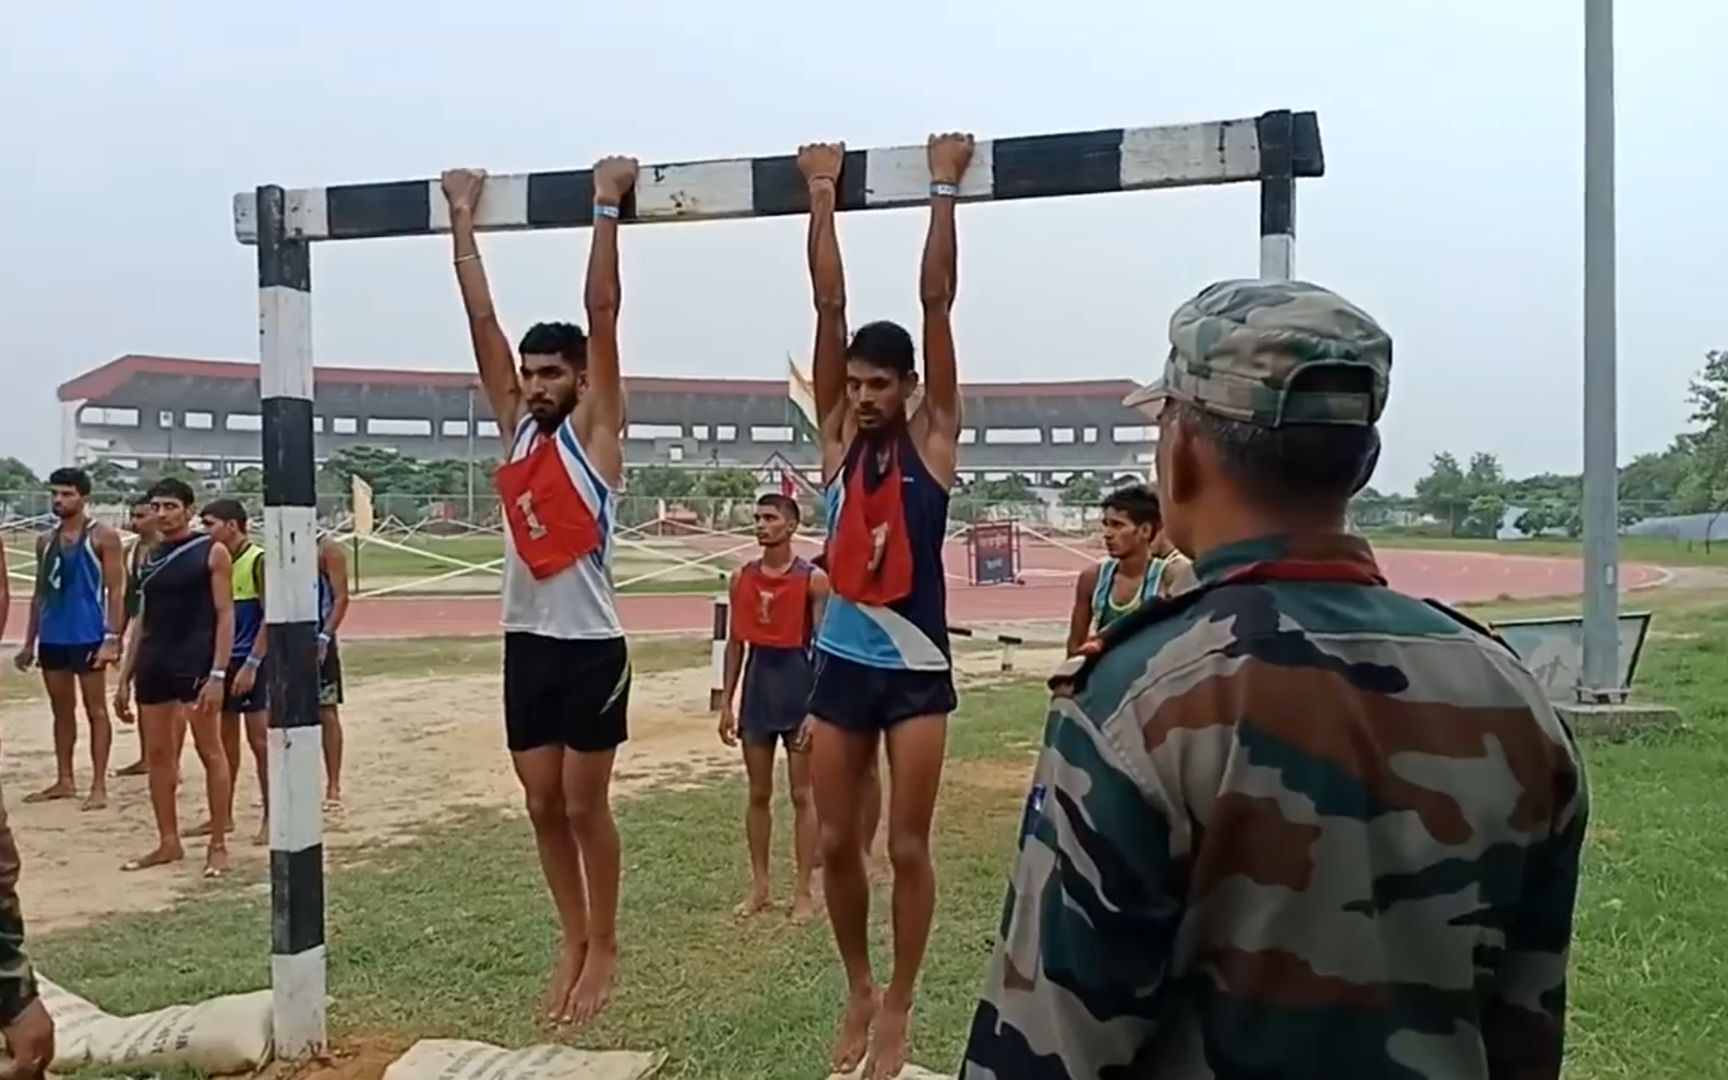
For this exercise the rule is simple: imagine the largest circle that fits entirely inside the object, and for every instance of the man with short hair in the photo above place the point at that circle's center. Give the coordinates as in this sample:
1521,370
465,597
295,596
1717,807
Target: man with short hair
76,616
776,604
883,669
180,668
1289,823
245,702
566,663
1129,574
332,610
143,525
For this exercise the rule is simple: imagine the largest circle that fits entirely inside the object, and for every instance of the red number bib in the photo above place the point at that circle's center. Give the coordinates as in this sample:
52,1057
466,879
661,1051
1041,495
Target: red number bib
549,520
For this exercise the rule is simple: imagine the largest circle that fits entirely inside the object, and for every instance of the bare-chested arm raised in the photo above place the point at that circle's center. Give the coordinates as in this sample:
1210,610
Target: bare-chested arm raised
821,163
492,352
600,412
936,426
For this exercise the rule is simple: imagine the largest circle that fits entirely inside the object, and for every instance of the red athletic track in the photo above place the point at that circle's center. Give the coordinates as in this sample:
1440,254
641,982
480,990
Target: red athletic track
1049,583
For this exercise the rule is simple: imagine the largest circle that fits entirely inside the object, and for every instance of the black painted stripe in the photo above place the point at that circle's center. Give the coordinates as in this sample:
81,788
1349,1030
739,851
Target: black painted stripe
1040,166
395,208
561,198
1277,137
280,261
289,478
296,900
1308,157
293,674
777,187
722,621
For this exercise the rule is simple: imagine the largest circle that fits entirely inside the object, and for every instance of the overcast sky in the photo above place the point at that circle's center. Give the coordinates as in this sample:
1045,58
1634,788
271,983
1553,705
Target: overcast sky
1451,208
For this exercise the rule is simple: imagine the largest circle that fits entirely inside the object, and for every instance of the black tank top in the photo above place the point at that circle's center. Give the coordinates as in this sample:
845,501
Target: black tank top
179,612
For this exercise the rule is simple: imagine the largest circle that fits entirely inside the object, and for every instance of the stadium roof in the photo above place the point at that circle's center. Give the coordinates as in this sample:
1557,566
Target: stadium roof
104,381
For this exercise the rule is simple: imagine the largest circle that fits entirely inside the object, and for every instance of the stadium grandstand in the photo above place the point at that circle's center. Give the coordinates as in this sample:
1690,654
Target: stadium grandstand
204,413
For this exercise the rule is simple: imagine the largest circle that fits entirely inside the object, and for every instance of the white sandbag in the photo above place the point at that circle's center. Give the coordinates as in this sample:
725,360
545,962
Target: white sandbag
457,1059
223,1035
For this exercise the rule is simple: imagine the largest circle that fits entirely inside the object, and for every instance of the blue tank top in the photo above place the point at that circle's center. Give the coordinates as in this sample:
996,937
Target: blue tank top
73,604
1104,610
248,601
912,632
326,601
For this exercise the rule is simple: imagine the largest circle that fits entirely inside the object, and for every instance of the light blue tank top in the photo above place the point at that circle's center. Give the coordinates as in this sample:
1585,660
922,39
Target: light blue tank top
1104,610
73,606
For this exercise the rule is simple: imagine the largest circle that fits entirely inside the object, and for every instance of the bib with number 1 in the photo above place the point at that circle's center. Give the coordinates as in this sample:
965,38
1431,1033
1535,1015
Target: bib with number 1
550,523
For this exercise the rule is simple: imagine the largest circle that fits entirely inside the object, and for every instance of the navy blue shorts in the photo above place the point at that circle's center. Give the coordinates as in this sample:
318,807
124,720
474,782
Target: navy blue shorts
77,659
776,695
863,698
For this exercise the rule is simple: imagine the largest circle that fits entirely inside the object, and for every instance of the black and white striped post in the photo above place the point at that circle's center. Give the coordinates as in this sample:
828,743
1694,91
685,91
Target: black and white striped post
1274,150
291,610
717,651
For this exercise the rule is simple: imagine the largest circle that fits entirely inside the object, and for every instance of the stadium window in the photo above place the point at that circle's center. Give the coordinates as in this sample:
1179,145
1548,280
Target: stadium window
453,428
699,431
106,416
198,421
769,434
403,426
1089,435
165,418
1061,436
240,421
1132,433
318,424
344,425
487,428
968,436
1012,436
674,453
124,462
725,433
654,431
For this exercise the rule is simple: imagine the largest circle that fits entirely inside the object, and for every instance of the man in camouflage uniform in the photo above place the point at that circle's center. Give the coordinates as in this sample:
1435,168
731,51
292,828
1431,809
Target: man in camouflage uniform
1292,823
28,1031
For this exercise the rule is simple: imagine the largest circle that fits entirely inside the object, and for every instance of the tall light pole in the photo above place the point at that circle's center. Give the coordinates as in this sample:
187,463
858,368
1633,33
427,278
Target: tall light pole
470,455
1601,471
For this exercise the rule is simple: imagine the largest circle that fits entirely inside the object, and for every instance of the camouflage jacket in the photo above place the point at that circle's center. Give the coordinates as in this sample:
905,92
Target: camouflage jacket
17,980
1291,828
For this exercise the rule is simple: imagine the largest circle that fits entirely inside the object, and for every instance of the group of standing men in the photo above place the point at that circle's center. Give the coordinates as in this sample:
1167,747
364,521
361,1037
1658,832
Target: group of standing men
182,619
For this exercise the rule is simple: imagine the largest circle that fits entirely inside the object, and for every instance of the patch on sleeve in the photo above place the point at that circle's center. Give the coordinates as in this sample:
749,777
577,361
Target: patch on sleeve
1034,810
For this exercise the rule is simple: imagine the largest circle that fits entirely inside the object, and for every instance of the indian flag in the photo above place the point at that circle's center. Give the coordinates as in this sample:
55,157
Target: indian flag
801,390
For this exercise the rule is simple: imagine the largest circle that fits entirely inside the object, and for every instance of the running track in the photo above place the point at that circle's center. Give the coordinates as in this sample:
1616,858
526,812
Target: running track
1046,595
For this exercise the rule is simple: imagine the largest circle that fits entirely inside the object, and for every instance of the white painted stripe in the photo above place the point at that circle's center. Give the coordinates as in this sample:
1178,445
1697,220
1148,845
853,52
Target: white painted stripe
701,189
503,204
298,1003
307,213
290,564
285,327
717,655
296,760
1278,256
900,176
1186,154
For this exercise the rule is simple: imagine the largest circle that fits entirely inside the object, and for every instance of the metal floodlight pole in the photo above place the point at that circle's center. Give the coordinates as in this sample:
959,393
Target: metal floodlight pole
1601,472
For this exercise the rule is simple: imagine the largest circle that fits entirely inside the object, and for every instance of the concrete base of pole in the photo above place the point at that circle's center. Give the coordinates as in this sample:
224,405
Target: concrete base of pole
1618,719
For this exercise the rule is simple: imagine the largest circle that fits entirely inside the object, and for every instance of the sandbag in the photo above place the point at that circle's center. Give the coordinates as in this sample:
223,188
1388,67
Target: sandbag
223,1035
457,1059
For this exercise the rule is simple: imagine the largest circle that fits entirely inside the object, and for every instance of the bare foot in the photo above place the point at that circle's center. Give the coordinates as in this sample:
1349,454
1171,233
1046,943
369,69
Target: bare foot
61,789
138,768
854,1034
593,989
758,901
198,830
888,1043
564,975
162,856
215,861
803,907
98,799
333,800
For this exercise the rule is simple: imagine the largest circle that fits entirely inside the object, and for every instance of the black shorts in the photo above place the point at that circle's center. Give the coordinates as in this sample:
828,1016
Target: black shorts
859,697
157,686
77,659
776,695
330,678
256,700
570,693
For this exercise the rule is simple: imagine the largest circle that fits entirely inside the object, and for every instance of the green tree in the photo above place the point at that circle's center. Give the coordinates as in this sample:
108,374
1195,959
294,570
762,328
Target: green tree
17,476
170,469
1441,494
1013,488
661,482
1484,493
108,477
247,482
726,483
1083,490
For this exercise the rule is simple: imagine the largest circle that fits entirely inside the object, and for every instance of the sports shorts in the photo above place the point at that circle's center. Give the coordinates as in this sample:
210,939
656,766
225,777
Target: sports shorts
775,696
254,700
77,659
572,693
330,678
153,685
859,697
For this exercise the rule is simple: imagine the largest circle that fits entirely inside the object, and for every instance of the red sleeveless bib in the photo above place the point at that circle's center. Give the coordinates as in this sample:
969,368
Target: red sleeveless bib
869,552
772,609
549,521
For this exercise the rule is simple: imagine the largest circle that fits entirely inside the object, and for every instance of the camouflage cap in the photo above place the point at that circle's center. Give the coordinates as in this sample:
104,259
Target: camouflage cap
1240,350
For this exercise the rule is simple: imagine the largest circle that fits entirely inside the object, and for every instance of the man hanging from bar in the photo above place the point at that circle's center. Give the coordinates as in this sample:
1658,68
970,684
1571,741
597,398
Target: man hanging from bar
882,665
559,403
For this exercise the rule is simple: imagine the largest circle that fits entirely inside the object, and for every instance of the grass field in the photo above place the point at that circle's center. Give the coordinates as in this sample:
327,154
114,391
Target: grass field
451,935
1638,549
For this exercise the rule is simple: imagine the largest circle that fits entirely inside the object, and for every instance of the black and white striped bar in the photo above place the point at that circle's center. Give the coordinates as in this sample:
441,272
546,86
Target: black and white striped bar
1280,153
722,628
297,976
1009,642
1276,147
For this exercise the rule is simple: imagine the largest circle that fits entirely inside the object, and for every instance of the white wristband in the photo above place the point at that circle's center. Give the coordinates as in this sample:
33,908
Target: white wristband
219,675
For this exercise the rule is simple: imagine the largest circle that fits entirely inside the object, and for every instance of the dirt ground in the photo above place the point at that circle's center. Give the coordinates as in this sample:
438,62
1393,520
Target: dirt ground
416,749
